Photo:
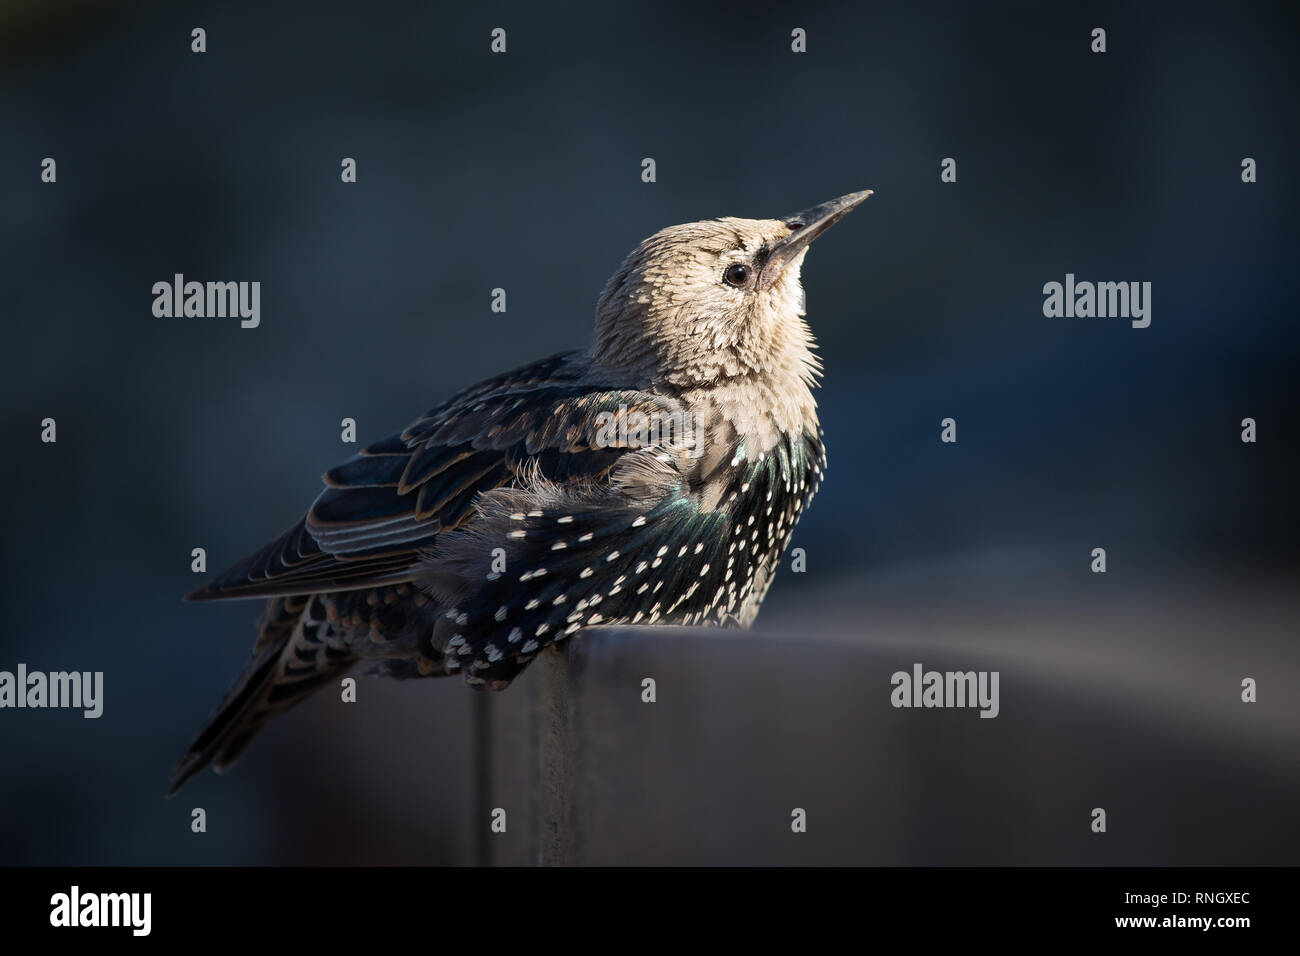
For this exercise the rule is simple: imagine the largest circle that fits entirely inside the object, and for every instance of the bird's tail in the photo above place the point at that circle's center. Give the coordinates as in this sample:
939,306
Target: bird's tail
289,662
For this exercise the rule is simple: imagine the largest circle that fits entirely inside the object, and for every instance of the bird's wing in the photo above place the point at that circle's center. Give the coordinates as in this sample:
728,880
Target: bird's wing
385,505
540,563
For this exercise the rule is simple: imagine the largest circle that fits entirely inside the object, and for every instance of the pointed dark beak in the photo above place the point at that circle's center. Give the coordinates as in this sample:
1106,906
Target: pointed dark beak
807,226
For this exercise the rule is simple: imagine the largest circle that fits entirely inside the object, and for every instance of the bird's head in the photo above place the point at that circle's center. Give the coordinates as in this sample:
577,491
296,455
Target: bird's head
708,302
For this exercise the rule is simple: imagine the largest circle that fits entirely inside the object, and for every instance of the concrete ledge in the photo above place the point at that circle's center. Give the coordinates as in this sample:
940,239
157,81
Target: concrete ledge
748,727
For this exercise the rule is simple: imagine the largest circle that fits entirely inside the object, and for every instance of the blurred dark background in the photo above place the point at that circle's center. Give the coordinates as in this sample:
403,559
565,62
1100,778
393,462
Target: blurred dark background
522,171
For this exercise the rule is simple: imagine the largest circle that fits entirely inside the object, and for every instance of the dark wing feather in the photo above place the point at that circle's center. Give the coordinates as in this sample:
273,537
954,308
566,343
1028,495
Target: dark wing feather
638,550
385,505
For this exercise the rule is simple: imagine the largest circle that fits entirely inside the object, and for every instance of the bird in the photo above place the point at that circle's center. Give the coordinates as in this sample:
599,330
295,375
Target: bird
654,478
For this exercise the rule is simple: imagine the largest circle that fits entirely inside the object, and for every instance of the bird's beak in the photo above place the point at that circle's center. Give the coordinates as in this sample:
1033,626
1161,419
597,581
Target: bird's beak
807,226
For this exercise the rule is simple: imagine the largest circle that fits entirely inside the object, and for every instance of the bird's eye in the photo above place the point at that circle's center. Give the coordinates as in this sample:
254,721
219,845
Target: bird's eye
737,274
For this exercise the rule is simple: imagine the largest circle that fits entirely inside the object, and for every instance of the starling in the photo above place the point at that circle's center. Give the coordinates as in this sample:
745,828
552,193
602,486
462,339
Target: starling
654,479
